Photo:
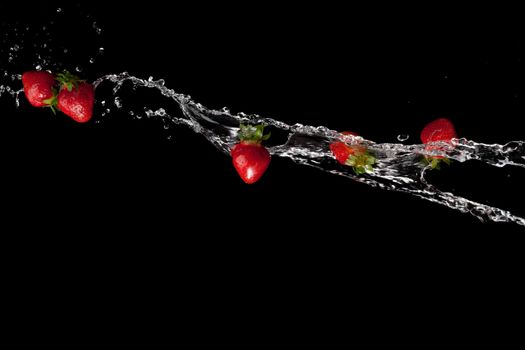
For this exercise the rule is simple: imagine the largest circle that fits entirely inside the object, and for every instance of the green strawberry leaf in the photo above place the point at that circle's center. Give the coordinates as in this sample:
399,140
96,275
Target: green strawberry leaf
435,163
266,136
351,161
361,162
52,101
253,133
68,80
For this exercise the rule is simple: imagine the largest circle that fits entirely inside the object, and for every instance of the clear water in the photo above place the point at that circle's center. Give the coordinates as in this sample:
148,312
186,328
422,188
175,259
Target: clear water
38,46
398,165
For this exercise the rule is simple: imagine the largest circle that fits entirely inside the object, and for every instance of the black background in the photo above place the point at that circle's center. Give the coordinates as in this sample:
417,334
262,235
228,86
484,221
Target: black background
121,188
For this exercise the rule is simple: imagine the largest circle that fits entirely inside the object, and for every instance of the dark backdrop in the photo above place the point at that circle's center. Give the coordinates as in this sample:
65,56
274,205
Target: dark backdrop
121,185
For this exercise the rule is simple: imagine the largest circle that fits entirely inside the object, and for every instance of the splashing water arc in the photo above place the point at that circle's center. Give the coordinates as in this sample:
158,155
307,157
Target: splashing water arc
397,167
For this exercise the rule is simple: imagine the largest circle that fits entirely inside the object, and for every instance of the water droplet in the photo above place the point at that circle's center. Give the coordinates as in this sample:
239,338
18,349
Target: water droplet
44,45
97,29
59,10
39,67
66,50
101,50
91,60
403,137
78,69
108,110
118,102
103,103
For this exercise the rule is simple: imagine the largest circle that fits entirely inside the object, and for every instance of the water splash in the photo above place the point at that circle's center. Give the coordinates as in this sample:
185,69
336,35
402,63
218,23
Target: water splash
403,137
13,92
397,169
41,47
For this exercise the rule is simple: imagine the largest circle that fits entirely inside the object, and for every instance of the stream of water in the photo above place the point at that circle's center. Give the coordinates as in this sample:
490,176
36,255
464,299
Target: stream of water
398,166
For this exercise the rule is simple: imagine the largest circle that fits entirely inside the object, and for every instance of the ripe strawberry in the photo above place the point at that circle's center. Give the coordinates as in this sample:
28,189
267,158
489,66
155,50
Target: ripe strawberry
250,157
439,130
76,98
39,88
356,156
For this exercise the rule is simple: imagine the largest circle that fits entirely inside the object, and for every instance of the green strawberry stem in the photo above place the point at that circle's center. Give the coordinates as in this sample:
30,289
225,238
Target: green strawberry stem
68,80
253,133
53,101
361,163
434,162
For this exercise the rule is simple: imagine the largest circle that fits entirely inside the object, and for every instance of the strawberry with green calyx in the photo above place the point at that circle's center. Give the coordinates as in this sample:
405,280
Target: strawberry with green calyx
439,130
68,81
357,156
39,88
250,158
76,98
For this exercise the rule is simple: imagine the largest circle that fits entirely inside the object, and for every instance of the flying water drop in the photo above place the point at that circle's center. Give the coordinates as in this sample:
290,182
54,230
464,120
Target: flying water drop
403,137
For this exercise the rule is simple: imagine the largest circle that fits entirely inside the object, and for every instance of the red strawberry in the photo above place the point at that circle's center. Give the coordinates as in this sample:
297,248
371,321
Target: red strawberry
250,157
341,150
439,130
39,88
356,156
76,98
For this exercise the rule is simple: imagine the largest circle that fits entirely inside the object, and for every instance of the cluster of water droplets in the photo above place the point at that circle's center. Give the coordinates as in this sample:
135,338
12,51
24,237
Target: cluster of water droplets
398,166
35,46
